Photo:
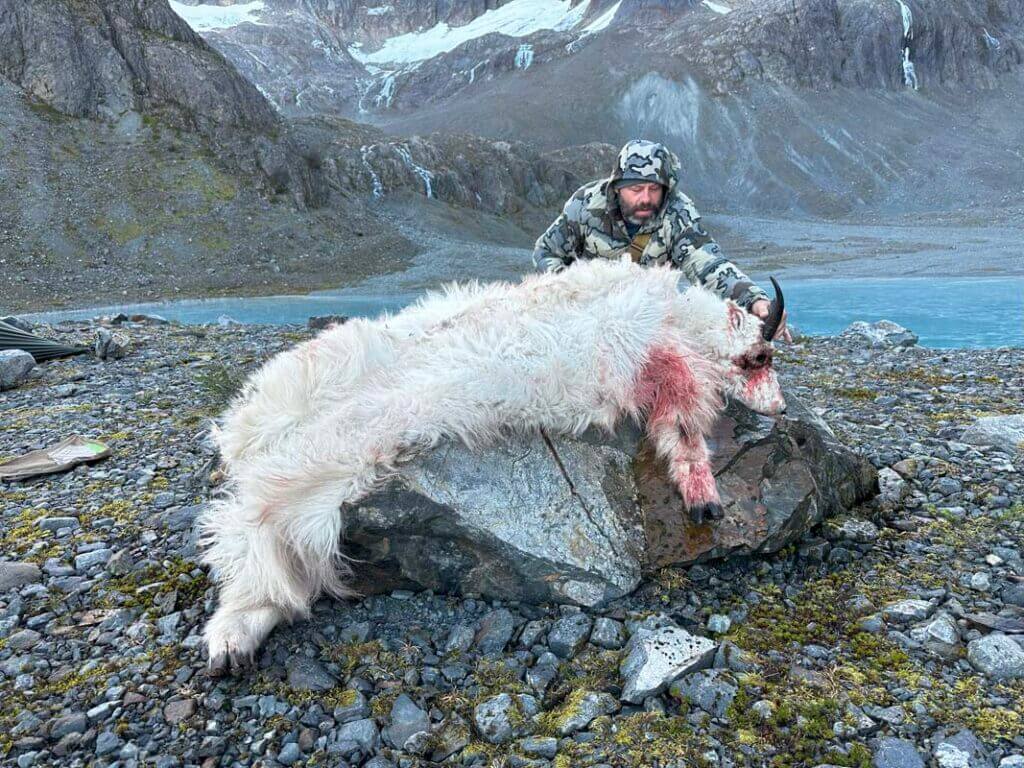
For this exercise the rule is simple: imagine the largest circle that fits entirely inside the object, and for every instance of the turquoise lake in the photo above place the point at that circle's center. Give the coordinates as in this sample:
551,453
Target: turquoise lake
944,312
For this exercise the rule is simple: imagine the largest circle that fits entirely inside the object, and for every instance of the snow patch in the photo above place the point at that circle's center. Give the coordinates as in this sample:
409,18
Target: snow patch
524,56
717,7
991,42
379,10
203,18
601,22
517,18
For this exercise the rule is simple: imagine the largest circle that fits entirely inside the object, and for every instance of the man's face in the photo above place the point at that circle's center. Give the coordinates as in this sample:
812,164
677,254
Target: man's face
640,201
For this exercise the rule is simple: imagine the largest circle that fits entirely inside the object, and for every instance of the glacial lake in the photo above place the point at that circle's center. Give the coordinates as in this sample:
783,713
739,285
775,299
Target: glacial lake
944,312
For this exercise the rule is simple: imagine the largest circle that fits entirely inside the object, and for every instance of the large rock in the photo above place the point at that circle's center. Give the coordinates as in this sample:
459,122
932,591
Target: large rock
582,520
1004,432
881,334
15,365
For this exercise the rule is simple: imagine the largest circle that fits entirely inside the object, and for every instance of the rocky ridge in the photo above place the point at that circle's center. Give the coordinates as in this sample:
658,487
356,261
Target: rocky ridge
883,638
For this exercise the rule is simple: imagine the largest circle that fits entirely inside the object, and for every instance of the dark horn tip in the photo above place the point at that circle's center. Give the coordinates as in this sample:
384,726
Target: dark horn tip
774,319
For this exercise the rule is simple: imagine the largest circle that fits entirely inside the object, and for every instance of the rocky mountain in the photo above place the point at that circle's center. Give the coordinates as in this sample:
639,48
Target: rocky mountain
818,106
145,166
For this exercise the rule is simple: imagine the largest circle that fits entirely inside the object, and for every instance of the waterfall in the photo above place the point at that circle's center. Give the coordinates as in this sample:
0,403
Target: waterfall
909,73
524,56
419,170
378,188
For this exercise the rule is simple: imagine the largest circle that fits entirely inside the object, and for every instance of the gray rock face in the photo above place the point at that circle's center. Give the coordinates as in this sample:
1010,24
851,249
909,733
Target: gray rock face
307,674
658,657
1003,432
883,333
569,634
709,690
110,346
962,750
15,365
997,655
906,611
589,706
940,636
504,717
407,720
896,753
14,575
362,732
557,520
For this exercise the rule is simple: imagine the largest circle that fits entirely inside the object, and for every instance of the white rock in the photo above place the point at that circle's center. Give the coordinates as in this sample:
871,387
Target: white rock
658,657
884,333
906,611
892,487
1003,432
997,655
719,624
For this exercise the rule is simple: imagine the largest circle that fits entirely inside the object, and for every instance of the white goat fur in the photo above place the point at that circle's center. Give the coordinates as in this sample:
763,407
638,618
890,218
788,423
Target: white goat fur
325,423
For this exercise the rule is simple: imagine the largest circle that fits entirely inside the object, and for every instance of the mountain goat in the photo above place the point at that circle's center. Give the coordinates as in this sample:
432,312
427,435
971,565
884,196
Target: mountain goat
322,425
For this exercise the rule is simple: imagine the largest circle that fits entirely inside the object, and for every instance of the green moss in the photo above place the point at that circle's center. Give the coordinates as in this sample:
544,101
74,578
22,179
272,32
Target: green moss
856,393
651,738
220,383
141,588
552,722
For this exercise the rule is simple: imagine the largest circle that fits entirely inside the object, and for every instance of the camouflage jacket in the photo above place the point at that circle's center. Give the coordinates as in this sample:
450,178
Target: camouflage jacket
591,226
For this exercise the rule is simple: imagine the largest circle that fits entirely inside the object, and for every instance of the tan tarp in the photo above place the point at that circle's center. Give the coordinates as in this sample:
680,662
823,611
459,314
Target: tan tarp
57,458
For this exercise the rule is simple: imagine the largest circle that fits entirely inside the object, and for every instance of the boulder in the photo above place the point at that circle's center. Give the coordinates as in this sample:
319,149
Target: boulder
582,520
15,365
110,346
1003,432
882,334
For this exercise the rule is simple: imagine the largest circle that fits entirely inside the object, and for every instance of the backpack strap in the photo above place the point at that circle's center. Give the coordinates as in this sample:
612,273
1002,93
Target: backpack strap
637,244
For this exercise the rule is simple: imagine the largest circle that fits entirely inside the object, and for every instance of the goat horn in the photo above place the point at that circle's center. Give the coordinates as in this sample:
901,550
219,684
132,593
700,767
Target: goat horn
774,319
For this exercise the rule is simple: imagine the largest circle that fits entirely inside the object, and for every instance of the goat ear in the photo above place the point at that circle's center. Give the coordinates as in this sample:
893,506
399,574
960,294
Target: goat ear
735,317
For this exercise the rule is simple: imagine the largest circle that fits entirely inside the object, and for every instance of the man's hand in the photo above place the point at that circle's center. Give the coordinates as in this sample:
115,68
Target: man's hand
761,308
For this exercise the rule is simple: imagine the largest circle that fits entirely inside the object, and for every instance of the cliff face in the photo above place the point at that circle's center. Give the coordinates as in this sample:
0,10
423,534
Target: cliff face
89,58
821,106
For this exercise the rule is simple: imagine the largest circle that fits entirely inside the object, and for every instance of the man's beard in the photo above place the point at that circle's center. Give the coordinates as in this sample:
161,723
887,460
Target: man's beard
629,214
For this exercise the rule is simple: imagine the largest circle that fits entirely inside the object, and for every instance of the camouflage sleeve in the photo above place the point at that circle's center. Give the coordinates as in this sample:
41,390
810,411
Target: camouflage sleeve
696,253
558,247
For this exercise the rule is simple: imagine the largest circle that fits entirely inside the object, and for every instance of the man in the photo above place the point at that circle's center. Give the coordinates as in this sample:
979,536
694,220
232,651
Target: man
640,210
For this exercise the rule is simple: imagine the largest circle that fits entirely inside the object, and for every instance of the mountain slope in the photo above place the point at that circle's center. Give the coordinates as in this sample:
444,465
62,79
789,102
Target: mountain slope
816,106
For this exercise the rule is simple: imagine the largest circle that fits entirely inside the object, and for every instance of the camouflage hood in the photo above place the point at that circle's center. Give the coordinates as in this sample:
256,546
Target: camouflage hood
641,160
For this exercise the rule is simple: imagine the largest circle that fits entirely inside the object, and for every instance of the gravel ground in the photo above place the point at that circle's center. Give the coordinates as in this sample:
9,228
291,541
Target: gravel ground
890,638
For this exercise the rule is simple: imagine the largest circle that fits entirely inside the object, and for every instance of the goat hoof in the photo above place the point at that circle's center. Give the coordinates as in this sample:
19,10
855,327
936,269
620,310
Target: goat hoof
702,513
218,665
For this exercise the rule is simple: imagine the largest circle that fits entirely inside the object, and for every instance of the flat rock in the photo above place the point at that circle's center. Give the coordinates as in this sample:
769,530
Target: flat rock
896,753
1003,432
557,520
307,674
407,720
582,710
710,690
658,657
882,334
906,611
14,575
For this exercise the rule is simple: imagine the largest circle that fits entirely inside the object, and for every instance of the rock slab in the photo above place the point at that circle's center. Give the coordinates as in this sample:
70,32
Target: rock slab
580,521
